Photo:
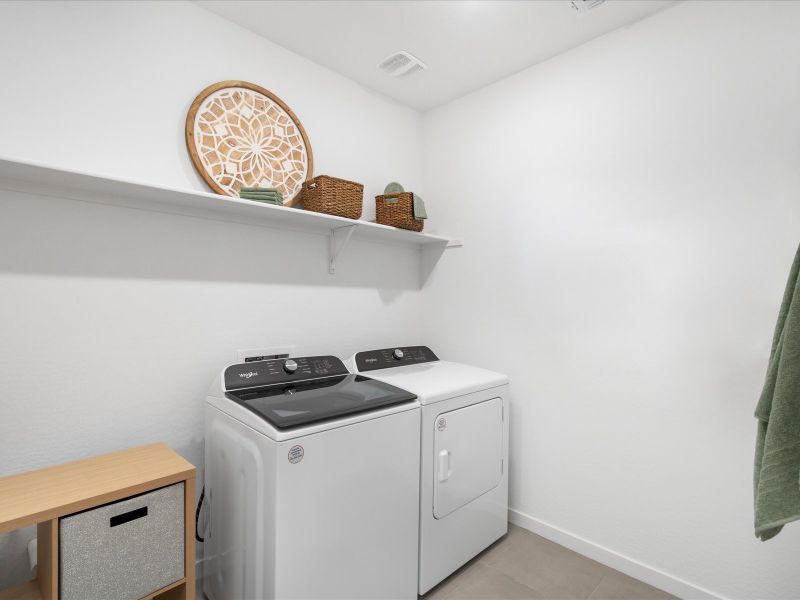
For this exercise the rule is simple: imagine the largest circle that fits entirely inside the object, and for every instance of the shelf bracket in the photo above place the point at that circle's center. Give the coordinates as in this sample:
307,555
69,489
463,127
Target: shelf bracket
333,250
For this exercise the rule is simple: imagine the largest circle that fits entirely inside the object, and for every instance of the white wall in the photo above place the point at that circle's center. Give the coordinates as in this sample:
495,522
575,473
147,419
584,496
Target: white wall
115,320
630,210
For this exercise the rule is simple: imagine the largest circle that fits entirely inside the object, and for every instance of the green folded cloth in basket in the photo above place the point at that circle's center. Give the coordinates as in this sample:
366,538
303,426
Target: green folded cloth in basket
419,208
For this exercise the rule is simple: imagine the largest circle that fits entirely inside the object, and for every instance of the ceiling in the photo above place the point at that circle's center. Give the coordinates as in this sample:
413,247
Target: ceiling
466,44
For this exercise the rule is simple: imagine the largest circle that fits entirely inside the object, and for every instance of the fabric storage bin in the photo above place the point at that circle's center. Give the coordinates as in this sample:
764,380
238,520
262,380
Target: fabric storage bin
333,196
125,550
397,210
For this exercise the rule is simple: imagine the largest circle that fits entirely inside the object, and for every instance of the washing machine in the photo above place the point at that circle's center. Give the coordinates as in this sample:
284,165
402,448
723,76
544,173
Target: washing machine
464,453
311,484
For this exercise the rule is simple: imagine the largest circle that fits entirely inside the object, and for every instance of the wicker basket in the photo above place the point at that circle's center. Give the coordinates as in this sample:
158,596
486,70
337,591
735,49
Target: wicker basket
399,213
333,196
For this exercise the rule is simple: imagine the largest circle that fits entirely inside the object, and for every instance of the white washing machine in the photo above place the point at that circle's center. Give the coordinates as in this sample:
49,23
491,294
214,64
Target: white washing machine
464,453
312,483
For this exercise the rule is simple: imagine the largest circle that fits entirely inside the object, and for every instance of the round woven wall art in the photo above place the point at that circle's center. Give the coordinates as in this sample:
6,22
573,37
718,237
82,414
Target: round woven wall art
240,134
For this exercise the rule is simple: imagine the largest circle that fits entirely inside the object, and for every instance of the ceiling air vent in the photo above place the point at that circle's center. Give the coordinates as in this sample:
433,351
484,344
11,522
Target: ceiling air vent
583,6
401,63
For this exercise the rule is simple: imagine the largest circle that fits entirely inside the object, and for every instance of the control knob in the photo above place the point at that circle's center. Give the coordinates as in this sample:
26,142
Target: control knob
290,366
398,354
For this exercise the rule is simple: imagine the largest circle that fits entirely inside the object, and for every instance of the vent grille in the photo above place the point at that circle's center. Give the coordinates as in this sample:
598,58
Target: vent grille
583,6
401,63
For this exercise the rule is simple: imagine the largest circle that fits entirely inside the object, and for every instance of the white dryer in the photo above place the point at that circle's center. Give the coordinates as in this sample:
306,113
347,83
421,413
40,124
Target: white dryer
464,453
312,483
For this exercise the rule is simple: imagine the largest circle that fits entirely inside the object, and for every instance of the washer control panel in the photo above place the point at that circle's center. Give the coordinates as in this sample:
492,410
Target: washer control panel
387,358
282,370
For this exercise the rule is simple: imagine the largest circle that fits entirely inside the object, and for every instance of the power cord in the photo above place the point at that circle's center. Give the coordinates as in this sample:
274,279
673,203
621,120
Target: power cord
197,516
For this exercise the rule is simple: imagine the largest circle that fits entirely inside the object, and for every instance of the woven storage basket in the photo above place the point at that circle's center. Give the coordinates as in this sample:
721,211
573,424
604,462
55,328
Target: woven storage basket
397,214
333,196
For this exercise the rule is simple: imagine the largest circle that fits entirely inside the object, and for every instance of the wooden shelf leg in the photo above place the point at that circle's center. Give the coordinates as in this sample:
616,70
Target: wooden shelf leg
47,558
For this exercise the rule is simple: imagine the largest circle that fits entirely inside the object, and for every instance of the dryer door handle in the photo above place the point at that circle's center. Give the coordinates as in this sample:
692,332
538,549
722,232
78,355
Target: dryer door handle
445,467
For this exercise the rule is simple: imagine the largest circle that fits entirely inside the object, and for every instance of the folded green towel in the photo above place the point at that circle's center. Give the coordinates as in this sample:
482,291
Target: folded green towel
258,189
777,463
419,208
259,195
273,197
260,192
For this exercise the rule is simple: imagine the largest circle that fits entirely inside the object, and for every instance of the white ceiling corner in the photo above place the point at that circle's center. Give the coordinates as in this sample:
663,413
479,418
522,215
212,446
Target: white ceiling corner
466,44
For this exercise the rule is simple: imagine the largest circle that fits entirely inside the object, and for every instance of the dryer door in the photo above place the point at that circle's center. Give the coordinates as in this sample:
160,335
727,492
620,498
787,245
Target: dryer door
468,451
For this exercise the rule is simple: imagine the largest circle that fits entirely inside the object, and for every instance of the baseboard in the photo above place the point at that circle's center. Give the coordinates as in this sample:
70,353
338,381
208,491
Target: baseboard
651,576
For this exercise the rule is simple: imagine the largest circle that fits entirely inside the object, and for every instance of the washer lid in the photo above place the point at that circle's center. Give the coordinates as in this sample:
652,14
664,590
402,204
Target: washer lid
291,405
440,380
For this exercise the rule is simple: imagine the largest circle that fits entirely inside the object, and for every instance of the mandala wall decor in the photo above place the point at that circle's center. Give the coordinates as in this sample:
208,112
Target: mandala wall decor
240,134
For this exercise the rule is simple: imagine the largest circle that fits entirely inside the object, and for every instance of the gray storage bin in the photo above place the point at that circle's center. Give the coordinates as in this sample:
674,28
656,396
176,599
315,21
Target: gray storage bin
125,550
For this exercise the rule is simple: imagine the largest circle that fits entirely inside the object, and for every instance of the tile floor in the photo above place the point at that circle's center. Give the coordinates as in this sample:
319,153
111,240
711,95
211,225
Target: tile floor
524,566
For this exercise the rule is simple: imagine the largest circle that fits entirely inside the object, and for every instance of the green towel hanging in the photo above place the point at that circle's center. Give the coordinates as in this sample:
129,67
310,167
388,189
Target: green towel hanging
777,461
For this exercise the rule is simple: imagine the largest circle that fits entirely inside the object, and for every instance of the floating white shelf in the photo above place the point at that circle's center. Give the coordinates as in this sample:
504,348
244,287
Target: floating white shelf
75,185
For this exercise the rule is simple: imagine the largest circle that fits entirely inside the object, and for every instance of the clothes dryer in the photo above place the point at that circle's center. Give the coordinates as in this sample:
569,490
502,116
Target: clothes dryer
463,453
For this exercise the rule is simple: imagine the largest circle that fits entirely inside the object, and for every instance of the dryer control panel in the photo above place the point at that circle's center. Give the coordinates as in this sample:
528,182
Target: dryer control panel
387,358
282,370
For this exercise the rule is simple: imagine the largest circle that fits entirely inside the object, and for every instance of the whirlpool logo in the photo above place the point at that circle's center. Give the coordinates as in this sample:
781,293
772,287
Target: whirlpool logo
248,375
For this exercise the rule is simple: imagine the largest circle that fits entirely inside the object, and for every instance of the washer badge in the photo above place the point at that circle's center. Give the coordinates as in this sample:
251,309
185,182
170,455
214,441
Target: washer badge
441,424
296,454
